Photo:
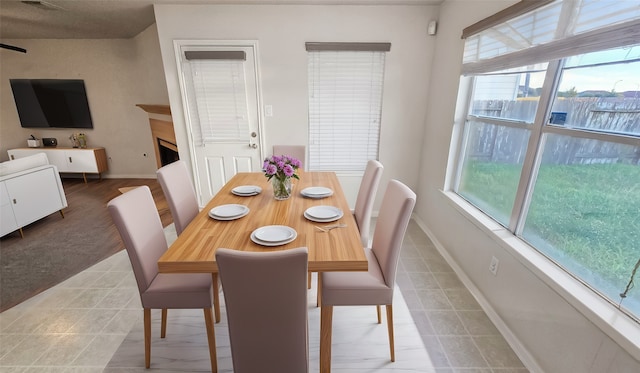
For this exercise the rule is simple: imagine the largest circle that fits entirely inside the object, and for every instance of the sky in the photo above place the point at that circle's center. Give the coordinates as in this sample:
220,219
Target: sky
621,77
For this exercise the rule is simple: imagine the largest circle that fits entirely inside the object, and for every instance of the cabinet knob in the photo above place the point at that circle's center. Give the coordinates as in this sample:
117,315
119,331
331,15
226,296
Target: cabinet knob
70,160
15,202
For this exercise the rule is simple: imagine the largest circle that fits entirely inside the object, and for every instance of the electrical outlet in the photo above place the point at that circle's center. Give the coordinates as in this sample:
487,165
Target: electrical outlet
493,267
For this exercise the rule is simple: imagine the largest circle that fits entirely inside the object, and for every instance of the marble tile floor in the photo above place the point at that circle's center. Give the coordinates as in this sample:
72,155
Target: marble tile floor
93,323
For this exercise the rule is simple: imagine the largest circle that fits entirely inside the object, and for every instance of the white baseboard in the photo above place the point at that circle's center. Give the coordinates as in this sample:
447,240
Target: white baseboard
527,359
128,176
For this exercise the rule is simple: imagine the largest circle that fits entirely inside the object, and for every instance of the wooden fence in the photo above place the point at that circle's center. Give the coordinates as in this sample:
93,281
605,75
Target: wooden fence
499,144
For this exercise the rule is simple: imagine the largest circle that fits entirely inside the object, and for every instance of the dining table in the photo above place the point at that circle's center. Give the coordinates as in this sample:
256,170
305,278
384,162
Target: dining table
332,239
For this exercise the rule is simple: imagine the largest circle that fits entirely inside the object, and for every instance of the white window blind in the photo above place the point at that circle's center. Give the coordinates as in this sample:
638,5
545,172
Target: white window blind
219,101
556,30
345,107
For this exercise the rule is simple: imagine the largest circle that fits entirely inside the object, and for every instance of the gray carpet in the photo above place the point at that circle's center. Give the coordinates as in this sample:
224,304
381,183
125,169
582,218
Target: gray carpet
55,248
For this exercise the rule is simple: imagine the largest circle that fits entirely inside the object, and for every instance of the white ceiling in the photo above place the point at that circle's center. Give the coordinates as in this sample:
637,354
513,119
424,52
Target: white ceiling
115,19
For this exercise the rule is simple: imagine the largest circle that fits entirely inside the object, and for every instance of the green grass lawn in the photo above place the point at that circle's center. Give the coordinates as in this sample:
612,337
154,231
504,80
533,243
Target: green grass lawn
586,217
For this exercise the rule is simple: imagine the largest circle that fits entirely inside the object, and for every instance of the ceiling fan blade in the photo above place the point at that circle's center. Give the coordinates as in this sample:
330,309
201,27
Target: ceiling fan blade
13,48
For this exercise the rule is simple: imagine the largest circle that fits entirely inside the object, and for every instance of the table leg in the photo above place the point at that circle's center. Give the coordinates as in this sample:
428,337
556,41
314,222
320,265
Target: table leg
216,296
319,292
326,321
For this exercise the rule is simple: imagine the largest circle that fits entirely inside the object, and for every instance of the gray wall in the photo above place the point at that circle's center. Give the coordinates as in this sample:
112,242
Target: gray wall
545,323
281,32
548,328
118,74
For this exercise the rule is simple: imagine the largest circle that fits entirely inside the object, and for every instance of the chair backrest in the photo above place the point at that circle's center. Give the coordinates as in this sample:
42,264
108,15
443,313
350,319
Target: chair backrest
391,225
176,184
366,198
296,151
136,218
266,300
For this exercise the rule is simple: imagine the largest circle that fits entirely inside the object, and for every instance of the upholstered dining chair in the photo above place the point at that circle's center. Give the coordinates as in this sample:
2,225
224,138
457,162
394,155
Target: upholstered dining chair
366,198
364,204
136,218
296,151
177,187
266,302
376,286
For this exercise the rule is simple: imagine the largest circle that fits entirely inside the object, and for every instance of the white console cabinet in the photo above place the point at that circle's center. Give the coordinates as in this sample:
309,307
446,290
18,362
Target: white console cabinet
72,160
8,222
29,195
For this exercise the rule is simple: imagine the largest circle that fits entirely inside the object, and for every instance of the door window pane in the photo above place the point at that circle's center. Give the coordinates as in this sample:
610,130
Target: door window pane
491,168
585,212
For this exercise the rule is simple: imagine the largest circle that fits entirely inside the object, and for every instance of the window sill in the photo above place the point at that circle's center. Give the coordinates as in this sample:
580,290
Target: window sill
613,322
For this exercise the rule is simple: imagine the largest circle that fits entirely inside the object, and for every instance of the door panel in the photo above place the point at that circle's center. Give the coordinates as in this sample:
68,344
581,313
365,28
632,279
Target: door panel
219,94
243,164
216,175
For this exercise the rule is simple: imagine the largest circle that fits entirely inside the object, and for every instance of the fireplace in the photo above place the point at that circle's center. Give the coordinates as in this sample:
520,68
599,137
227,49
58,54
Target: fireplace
164,139
168,152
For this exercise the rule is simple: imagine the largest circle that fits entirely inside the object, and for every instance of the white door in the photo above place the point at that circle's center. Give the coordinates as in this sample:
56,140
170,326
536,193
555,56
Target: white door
222,113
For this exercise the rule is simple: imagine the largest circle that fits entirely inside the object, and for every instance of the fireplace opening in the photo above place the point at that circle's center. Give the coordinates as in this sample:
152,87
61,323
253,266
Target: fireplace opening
168,152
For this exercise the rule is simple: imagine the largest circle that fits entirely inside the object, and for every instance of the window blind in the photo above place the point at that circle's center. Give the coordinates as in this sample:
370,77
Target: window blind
556,30
219,101
345,105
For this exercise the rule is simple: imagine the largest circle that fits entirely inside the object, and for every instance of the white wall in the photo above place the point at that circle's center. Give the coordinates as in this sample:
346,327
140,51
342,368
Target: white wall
281,31
118,74
555,336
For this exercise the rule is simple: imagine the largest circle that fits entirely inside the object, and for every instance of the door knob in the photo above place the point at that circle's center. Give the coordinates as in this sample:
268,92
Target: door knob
254,146
253,134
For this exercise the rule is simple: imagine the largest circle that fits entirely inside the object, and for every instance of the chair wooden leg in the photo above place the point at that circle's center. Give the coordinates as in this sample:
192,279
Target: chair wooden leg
211,337
309,281
147,337
216,296
390,327
326,321
163,324
379,316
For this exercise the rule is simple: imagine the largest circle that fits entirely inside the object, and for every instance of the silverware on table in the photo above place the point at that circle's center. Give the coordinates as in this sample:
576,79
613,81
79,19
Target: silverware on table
327,228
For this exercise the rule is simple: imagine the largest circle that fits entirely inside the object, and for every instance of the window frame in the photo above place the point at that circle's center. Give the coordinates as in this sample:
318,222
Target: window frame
603,311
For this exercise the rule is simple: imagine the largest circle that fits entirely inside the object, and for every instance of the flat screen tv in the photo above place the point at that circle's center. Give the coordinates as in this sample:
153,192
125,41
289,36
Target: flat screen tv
51,103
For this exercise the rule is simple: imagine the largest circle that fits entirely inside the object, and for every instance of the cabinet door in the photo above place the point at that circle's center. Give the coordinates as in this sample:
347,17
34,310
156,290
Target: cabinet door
7,220
57,158
34,196
81,161
21,153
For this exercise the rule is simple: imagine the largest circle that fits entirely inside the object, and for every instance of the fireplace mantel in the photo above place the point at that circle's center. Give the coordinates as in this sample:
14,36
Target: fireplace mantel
164,138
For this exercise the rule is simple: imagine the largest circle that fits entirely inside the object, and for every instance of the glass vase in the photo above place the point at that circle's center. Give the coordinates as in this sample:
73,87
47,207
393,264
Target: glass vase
281,188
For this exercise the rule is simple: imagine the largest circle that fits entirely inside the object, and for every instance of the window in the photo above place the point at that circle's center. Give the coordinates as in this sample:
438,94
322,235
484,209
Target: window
345,104
551,142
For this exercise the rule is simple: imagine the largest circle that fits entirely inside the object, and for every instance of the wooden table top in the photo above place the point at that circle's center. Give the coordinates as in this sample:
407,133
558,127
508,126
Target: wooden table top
337,250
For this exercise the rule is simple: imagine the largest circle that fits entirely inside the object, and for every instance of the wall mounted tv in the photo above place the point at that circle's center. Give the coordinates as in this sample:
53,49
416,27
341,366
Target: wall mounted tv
51,103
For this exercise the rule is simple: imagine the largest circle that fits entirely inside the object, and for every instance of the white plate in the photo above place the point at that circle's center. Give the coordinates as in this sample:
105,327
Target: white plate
246,190
323,214
316,192
228,212
273,235
318,220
